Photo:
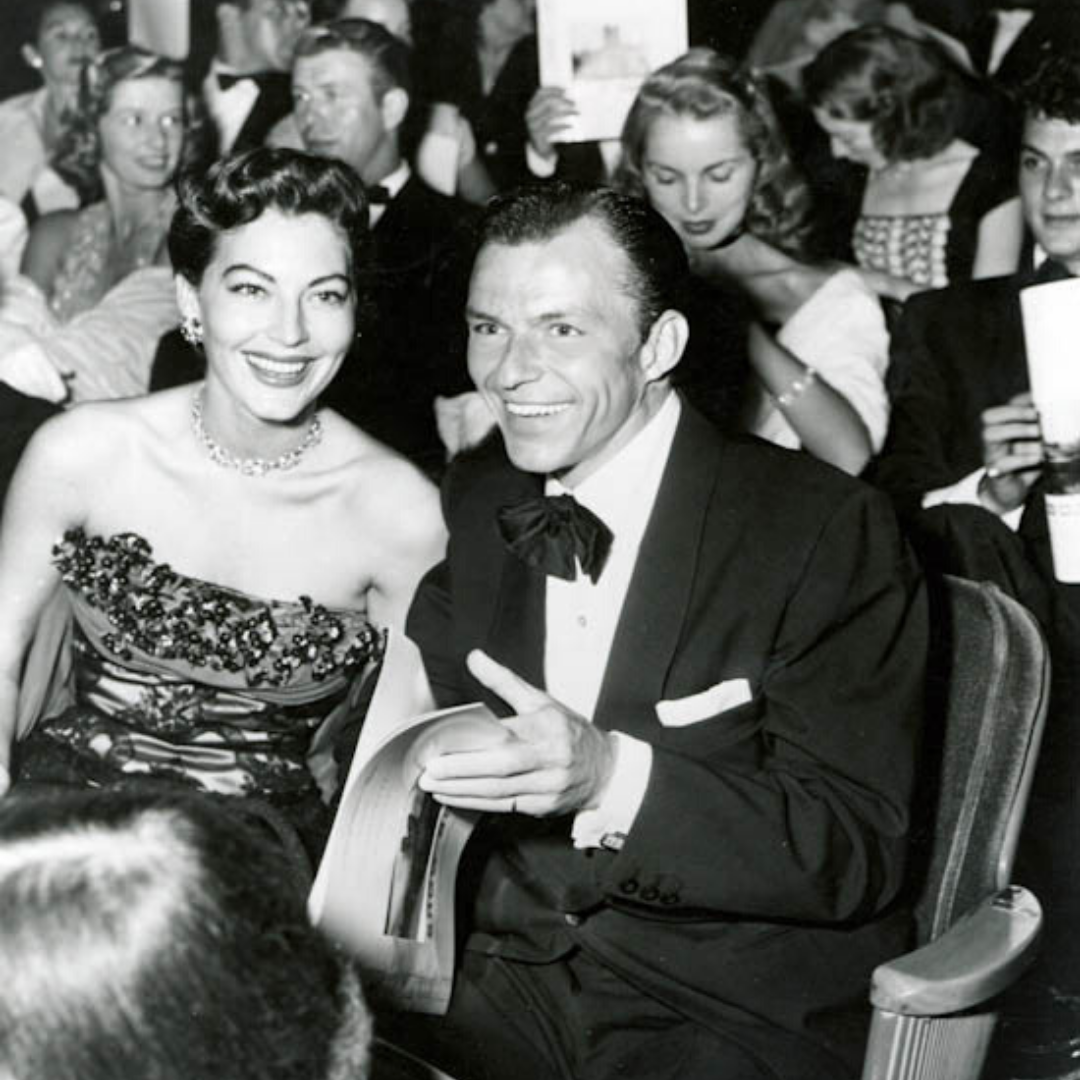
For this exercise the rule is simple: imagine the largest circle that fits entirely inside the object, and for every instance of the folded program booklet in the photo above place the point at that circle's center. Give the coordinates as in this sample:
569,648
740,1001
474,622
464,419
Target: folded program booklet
385,886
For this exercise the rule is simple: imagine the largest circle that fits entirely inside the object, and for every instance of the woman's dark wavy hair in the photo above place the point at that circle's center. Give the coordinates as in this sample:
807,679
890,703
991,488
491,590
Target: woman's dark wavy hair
77,157
703,84
241,187
161,936
906,88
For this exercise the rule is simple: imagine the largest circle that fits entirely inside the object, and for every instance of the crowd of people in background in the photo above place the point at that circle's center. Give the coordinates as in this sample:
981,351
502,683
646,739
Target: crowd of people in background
269,243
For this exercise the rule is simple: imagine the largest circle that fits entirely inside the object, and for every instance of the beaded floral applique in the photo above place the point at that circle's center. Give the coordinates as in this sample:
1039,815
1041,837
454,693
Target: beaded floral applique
163,614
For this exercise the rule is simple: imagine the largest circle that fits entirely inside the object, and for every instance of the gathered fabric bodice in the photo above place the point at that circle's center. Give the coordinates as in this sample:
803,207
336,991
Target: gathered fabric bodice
82,280
909,246
177,677
936,249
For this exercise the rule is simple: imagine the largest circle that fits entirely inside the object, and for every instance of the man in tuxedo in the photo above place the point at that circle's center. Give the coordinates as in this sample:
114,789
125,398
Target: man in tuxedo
351,88
710,653
963,429
246,89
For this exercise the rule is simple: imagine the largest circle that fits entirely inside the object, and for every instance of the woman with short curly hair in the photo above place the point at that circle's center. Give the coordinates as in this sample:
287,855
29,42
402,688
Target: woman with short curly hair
935,209
702,144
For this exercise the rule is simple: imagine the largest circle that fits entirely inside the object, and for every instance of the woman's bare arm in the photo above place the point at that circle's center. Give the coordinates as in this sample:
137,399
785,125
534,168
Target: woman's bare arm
827,424
406,505
48,495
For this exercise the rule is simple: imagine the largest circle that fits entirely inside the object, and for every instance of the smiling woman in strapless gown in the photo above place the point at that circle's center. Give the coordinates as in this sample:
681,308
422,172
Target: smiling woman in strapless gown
199,582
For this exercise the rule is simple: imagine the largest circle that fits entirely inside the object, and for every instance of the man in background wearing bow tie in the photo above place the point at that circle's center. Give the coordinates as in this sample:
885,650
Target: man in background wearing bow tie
246,89
352,90
711,655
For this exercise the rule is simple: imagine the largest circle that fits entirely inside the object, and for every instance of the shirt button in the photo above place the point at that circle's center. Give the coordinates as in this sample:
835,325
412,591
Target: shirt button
582,621
572,920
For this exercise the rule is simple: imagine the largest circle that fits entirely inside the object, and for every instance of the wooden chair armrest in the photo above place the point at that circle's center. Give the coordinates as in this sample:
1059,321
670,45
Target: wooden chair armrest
977,957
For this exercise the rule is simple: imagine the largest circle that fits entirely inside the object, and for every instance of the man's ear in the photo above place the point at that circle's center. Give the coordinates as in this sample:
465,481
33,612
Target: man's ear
187,299
394,107
664,345
31,56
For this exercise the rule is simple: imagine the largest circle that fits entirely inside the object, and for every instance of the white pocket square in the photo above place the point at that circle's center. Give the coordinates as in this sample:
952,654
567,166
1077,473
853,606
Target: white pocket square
689,710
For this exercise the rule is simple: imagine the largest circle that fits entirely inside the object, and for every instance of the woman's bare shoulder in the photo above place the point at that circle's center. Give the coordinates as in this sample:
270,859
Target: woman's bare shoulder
85,435
385,489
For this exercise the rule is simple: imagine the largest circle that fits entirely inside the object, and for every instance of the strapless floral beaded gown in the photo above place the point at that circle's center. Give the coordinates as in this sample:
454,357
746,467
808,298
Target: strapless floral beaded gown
177,678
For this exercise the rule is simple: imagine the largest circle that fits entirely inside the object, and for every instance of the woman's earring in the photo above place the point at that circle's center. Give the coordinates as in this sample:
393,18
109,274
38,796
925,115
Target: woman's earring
191,330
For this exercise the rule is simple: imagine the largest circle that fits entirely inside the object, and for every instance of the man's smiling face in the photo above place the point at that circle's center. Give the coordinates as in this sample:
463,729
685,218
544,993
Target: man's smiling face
555,349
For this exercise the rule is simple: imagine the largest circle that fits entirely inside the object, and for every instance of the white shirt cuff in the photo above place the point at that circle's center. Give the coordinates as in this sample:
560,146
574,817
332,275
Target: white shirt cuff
963,491
542,167
622,798
967,491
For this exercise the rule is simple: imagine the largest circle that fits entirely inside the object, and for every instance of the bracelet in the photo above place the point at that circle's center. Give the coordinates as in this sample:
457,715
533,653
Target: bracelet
796,388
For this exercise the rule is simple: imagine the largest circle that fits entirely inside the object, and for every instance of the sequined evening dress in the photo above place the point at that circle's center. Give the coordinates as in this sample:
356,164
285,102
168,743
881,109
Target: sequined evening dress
152,674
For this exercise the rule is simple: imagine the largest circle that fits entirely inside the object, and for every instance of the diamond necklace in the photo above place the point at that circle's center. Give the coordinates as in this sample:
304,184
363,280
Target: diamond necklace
251,466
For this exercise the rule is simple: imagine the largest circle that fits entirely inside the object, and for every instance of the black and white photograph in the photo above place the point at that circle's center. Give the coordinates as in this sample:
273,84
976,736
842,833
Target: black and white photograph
539,539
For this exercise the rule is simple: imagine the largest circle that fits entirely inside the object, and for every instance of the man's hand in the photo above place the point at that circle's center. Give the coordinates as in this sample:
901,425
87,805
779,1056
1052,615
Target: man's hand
558,763
548,115
1012,453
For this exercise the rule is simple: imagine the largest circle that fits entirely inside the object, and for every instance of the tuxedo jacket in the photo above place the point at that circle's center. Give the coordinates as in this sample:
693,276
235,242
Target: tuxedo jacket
955,352
413,348
274,102
774,601
20,417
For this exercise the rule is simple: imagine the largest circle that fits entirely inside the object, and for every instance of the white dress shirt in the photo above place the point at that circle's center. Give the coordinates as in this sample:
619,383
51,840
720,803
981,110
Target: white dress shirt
581,617
229,109
393,183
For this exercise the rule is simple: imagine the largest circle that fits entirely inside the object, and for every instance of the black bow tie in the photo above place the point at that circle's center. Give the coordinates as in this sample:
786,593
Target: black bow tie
550,532
377,194
1049,271
226,80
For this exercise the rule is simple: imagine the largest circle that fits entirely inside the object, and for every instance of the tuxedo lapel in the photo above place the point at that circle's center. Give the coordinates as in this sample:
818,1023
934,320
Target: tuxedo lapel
516,634
659,595
273,103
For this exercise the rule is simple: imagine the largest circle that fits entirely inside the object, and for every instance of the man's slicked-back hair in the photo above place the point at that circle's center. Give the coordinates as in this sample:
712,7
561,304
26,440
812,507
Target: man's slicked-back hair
536,213
159,935
1053,91
387,55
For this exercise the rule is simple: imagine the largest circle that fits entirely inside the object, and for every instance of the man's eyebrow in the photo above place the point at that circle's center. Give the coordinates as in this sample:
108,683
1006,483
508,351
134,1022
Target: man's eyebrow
1027,148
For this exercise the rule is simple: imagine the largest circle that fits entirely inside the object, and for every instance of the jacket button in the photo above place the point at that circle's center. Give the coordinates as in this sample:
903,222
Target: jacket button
630,886
669,898
649,893
572,920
